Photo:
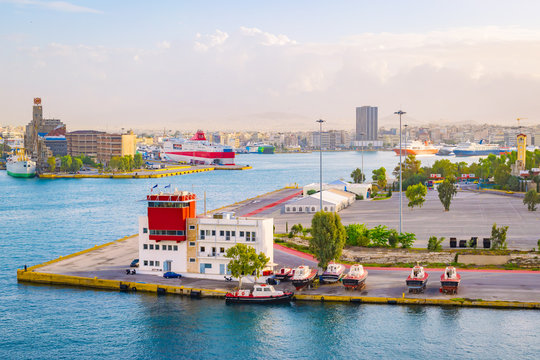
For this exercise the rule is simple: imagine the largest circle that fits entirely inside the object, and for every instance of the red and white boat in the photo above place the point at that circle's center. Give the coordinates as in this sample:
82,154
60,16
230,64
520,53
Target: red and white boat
334,272
197,150
261,294
417,148
450,280
303,276
417,280
356,278
284,274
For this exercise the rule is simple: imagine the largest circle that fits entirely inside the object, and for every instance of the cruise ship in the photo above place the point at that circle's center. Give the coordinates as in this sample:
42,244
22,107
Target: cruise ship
260,148
417,148
197,150
19,165
477,149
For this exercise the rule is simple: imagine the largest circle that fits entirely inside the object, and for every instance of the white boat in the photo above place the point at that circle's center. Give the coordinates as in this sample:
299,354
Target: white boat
303,276
19,165
197,150
356,277
334,272
477,149
417,148
261,294
260,148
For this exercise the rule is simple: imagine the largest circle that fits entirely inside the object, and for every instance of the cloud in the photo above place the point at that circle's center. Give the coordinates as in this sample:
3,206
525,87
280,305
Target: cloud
164,45
62,6
210,40
267,39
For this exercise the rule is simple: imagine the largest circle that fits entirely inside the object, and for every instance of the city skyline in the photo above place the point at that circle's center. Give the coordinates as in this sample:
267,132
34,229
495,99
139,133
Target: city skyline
265,67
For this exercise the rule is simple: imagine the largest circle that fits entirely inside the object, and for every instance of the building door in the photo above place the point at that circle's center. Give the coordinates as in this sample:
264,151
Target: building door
167,265
221,269
202,267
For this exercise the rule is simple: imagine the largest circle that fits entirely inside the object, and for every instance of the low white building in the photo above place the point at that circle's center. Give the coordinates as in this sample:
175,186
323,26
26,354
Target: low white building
359,189
333,200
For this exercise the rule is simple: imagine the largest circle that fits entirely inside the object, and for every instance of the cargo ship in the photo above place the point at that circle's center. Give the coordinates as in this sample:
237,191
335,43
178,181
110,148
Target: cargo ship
417,148
19,165
260,148
197,151
477,149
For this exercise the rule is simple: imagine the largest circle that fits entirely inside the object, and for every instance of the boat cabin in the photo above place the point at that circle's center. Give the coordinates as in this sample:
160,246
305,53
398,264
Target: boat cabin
334,268
357,270
417,272
450,273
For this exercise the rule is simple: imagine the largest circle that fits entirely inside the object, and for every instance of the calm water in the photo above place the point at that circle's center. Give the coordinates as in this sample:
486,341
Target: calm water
42,219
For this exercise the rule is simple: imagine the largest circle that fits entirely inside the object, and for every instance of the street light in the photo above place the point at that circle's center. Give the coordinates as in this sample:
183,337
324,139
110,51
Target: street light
405,126
399,112
362,137
320,121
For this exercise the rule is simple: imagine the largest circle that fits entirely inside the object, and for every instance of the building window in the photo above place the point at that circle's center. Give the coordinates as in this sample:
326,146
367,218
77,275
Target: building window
191,259
151,262
145,262
221,233
157,263
175,247
202,249
157,247
202,234
145,230
253,236
313,208
207,232
221,249
213,232
227,235
294,208
151,246
248,236
241,234
191,227
170,247
233,233
191,243
145,246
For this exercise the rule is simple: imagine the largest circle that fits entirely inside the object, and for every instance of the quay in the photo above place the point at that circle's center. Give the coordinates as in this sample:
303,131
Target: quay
104,267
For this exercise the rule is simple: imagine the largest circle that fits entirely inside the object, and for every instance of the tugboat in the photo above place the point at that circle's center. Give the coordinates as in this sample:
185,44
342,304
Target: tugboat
334,272
303,276
417,280
356,278
284,274
450,280
261,294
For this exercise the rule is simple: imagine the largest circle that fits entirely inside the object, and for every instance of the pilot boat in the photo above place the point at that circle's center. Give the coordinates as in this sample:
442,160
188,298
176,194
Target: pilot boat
284,274
356,278
450,280
303,276
417,280
262,293
334,272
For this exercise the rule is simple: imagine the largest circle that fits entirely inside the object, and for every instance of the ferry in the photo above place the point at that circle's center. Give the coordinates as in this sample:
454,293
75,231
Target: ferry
446,150
197,150
260,148
356,278
450,280
417,280
477,149
261,294
303,276
19,165
417,148
334,273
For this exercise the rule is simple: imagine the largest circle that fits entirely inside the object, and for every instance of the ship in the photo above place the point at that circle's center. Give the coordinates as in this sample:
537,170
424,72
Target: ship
446,150
417,148
477,149
197,151
19,165
260,148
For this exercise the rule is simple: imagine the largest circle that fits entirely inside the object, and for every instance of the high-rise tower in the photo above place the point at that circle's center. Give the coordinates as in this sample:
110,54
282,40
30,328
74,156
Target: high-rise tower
367,123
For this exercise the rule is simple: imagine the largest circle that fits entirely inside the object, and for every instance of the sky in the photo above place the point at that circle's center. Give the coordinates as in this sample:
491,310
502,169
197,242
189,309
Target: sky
268,65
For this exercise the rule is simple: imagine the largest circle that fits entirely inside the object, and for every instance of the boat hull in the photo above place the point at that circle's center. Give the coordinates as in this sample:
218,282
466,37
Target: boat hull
201,157
301,283
330,278
21,169
283,277
285,298
354,282
416,285
416,152
461,153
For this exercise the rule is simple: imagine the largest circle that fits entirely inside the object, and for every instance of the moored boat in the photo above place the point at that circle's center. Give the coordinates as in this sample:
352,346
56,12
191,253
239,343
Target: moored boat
356,278
417,148
334,272
477,149
450,280
417,279
303,276
19,165
261,294
284,274
197,150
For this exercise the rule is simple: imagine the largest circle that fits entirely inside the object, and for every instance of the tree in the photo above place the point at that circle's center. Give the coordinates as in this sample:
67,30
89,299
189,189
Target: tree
137,161
328,237
501,174
245,261
357,235
379,235
357,176
435,244
65,163
498,237
513,183
444,167
76,165
536,180
531,199
52,163
116,163
416,195
446,191
379,175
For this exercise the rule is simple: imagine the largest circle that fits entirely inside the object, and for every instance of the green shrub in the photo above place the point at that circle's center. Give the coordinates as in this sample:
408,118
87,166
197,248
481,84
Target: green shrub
359,197
435,244
379,236
407,240
393,238
357,235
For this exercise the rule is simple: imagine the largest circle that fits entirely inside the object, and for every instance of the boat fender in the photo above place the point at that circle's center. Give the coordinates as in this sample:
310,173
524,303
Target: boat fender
322,298
392,302
134,289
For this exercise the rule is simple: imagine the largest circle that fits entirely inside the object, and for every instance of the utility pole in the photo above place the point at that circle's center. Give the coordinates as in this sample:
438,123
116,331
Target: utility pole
362,134
400,113
320,121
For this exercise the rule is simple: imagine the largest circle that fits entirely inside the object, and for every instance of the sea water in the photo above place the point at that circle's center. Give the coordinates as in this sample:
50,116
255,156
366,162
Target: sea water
43,219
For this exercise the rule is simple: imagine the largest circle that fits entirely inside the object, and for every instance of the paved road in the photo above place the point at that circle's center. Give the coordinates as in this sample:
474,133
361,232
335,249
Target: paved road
250,206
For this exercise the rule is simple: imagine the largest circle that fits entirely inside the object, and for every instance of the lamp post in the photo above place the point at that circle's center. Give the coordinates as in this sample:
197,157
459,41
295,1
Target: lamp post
362,134
399,112
320,121
405,126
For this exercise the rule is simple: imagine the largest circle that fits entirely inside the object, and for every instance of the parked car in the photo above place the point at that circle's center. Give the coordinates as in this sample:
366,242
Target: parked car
134,263
171,275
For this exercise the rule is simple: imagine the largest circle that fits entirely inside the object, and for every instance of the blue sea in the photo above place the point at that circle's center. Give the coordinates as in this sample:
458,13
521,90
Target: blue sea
43,219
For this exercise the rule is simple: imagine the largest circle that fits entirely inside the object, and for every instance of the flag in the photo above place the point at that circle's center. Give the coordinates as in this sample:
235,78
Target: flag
153,187
168,186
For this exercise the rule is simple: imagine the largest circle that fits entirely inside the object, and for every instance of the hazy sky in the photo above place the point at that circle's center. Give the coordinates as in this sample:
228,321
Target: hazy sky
268,64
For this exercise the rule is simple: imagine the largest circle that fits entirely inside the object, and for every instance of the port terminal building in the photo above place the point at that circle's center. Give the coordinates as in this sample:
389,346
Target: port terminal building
173,238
